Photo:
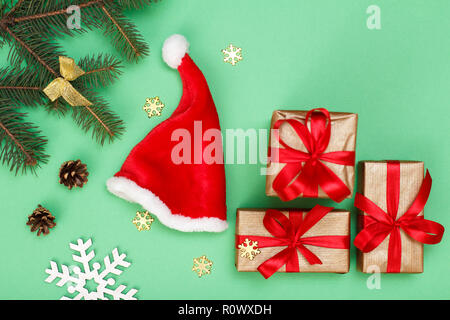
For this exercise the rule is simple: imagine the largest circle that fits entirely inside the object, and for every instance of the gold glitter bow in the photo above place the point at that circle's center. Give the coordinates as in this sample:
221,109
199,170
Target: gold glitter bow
61,87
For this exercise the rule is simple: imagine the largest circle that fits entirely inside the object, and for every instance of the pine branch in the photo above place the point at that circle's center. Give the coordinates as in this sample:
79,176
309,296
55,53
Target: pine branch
21,86
16,6
58,107
48,19
134,4
50,9
21,145
100,71
52,25
38,52
103,122
30,27
51,17
124,34
4,21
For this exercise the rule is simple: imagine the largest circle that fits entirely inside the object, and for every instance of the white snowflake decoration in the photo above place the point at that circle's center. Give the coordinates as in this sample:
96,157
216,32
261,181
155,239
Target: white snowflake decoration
232,54
76,281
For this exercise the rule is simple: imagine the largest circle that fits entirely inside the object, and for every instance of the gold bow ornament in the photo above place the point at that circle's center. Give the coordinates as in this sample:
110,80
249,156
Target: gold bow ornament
61,87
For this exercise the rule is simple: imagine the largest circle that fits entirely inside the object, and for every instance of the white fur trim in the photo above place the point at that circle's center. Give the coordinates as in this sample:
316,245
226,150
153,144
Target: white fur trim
174,49
130,191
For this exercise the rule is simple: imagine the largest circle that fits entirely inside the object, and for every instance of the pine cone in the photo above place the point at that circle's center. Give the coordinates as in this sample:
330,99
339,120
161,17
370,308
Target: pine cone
73,174
41,219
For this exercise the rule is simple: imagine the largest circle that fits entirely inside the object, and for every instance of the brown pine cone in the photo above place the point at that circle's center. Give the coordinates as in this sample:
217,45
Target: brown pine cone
41,219
73,174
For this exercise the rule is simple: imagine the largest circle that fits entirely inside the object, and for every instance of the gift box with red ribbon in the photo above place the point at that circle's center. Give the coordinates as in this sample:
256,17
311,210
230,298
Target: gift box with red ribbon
312,154
292,240
391,221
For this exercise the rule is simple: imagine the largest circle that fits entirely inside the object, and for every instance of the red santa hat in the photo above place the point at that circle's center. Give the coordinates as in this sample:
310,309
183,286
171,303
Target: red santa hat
185,196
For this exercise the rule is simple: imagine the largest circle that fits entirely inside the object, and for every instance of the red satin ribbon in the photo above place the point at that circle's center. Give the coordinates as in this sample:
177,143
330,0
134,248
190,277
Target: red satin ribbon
288,232
295,178
379,224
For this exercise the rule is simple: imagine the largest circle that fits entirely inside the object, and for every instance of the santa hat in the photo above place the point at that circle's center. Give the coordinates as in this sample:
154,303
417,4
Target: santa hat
185,197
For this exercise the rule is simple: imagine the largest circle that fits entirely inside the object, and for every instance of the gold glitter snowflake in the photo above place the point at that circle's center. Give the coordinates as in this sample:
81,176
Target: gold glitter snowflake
143,220
249,249
202,266
232,54
153,106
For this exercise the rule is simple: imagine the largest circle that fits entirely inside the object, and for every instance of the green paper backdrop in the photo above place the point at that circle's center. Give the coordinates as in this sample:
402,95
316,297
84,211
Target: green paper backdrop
297,54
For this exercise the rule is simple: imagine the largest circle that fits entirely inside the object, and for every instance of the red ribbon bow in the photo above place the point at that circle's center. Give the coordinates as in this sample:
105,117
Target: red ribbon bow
288,232
379,224
314,172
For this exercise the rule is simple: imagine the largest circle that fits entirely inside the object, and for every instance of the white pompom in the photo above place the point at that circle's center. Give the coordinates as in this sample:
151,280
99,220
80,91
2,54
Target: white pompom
174,49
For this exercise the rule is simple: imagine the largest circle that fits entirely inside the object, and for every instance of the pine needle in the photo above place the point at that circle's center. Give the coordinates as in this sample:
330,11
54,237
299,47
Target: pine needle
100,71
38,52
124,35
58,107
30,28
21,145
134,4
21,86
49,19
104,123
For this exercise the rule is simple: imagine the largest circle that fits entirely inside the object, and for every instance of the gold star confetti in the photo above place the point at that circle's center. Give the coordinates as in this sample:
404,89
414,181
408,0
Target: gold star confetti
202,266
249,249
232,54
143,220
153,106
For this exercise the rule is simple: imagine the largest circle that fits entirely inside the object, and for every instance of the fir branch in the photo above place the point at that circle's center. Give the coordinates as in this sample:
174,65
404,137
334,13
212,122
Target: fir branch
58,107
21,145
134,4
124,34
100,70
53,8
4,21
15,7
26,44
30,27
103,122
21,86
49,19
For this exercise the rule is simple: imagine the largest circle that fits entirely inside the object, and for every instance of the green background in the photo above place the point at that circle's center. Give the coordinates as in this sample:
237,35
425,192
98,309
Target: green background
297,55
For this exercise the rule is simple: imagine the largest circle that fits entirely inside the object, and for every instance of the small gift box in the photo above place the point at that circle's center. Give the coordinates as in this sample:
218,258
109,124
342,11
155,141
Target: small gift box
312,154
292,240
391,221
